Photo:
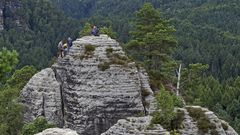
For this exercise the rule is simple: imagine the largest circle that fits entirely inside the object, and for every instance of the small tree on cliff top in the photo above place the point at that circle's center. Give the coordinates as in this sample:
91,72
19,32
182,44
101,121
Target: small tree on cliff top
152,41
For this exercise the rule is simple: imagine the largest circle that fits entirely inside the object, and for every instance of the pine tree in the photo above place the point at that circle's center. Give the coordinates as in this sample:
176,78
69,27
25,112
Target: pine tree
8,61
152,41
86,30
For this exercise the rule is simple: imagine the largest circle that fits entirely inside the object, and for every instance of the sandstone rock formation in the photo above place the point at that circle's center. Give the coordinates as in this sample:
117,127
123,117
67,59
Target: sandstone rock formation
42,96
90,89
199,114
57,131
136,126
189,124
97,90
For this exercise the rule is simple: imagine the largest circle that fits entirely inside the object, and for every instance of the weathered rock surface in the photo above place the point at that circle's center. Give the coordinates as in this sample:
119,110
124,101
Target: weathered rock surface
141,125
76,93
57,131
136,126
218,126
189,125
81,96
42,97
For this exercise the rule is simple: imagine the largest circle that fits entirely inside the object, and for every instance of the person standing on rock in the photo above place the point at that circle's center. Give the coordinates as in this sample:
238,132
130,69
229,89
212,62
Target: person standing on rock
69,44
60,48
95,31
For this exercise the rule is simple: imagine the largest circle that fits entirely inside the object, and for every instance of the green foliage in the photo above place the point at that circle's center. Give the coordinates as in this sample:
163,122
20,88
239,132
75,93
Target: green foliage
38,125
86,31
178,102
207,31
153,43
118,62
212,36
8,61
165,104
109,50
176,123
3,129
225,126
192,86
145,93
114,58
103,66
203,122
174,132
197,88
89,49
108,31
43,27
10,110
21,77
154,34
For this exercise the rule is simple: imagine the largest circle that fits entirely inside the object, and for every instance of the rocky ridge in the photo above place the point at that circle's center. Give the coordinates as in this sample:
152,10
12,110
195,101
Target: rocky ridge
195,116
143,126
136,126
76,93
96,90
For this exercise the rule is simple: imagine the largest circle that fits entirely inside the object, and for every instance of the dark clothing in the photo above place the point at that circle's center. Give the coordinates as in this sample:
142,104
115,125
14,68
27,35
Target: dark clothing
69,44
95,31
60,48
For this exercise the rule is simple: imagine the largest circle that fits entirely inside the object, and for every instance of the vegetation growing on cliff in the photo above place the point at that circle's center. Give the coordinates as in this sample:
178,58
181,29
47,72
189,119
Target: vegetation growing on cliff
206,31
38,125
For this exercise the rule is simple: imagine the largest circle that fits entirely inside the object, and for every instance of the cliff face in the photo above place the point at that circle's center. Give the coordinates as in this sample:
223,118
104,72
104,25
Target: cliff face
90,89
97,90
9,16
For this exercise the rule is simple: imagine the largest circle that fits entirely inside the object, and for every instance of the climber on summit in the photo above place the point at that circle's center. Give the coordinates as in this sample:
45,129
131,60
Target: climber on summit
60,48
95,31
69,44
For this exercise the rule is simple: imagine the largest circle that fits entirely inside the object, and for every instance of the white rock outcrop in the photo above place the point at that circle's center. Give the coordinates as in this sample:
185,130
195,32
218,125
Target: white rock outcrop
57,131
42,97
75,93
136,126
96,90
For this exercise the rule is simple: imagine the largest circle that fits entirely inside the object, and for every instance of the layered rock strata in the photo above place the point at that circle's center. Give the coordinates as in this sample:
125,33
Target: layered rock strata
42,97
188,126
136,126
216,126
83,96
96,90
